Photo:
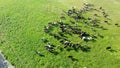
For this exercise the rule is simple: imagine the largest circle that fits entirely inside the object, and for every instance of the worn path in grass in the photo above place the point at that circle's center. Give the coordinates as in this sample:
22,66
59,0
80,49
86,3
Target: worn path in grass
21,28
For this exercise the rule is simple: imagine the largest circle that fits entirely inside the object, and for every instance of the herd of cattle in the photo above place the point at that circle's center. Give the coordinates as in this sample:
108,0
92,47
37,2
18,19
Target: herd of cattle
72,27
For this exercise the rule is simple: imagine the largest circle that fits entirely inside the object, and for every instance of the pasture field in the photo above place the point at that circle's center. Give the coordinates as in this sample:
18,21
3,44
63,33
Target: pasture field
21,30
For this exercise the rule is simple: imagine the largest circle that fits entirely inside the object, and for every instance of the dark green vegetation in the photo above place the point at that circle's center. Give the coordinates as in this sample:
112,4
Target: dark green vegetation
21,30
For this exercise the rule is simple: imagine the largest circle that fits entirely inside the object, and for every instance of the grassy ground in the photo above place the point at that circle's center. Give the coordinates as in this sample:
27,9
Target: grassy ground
21,28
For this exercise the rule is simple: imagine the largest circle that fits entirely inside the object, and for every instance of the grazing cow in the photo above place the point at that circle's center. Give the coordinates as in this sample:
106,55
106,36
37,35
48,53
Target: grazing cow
71,44
61,34
63,26
72,22
57,36
95,15
49,47
44,40
85,48
49,23
96,9
52,23
70,56
84,34
77,17
105,15
46,29
39,53
78,32
107,48
70,12
73,9
75,28
62,17
78,46
88,4
61,41
89,18
106,21
101,8
60,22
86,38
65,46
67,43
63,29
100,35
116,24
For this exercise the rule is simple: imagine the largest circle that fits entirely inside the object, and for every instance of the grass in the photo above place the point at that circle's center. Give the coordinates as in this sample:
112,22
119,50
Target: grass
21,28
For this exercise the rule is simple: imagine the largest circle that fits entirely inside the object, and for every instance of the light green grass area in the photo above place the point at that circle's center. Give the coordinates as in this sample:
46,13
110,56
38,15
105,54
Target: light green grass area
21,30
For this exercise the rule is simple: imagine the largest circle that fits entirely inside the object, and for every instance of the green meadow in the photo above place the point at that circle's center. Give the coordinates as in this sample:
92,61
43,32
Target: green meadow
21,29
